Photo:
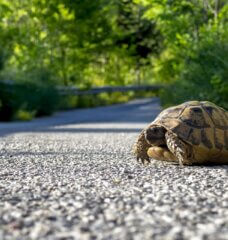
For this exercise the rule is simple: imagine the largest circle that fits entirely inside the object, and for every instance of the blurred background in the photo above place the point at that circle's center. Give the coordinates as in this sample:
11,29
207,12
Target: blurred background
47,45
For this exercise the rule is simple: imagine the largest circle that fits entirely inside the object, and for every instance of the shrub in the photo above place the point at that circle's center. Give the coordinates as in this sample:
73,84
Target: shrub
68,102
24,115
19,98
204,75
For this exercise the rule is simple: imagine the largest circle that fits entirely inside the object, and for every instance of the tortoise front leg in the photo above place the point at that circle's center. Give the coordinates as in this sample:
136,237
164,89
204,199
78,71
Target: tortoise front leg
140,149
178,148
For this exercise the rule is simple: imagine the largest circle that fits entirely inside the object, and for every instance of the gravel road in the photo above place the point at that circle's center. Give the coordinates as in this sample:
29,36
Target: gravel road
73,177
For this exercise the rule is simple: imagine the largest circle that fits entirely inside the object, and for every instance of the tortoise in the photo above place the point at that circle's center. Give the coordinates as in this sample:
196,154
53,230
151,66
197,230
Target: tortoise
191,133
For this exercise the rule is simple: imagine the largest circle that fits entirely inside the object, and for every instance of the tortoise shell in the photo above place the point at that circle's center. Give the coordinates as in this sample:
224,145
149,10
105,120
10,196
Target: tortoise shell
203,125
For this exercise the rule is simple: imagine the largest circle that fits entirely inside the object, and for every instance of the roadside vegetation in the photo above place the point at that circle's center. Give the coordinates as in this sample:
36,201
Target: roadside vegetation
182,44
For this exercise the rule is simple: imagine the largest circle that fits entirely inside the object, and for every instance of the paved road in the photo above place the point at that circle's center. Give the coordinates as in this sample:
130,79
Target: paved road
72,177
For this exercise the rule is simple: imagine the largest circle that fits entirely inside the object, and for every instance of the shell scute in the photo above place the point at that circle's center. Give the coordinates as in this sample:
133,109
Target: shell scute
194,136
218,116
206,140
219,136
226,140
194,117
201,124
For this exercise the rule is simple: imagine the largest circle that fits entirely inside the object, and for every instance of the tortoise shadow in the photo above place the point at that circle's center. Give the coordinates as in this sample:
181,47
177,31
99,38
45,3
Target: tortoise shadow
198,165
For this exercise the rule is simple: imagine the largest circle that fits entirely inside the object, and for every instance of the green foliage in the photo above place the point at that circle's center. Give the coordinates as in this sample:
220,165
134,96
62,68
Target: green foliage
103,99
194,60
88,101
205,74
68,102
181,43
25,100
79,42
137,34
23,115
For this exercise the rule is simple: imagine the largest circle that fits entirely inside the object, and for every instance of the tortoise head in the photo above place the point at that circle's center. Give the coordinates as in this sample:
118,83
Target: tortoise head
155,135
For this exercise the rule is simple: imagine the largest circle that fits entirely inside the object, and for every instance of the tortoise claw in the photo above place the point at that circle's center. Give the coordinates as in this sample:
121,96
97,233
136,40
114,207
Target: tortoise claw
181,163
144,161
138,160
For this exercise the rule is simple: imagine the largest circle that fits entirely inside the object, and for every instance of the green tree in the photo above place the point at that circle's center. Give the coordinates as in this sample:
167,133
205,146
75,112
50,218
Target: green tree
138,35
194,58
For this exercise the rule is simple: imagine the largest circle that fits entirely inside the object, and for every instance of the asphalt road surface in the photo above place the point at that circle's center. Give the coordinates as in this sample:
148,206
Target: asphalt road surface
73,177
